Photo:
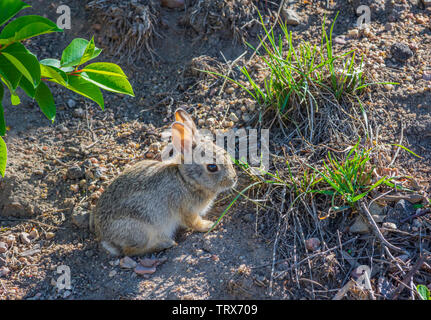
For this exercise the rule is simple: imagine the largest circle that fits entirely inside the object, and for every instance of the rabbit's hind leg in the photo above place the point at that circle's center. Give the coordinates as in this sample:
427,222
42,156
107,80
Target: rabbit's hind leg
110,248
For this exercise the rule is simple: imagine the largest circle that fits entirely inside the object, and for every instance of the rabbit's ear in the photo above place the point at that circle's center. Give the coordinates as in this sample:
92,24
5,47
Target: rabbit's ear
182,138
183,117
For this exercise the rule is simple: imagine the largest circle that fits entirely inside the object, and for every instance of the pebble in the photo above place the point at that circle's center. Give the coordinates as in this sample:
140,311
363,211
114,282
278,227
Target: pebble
74,187
376,209
4,271
401,52
75,172
3,247
359,226
389,87
49,235
141,270
390,225
233,117
112,273
71,103
128,263
79,113
353,33
10,240
80,219
312,244
63,128
290,16
404,208
427,3
38,172
34,234
23,236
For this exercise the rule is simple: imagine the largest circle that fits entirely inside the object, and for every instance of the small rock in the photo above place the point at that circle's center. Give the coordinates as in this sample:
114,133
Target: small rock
49,235
24,237
80,219
78,112
63,128
66,294
353,33
359,226
71,103
112,273
3,247
427,76
74,188
404,208
75,172
401,52
290,16
155,147
128,263
378,218
230,90
210,122
340,40
34,234
38,172
312,244
147,262
233,117
10,240
4,271
427,3
376,209
390,225
141,270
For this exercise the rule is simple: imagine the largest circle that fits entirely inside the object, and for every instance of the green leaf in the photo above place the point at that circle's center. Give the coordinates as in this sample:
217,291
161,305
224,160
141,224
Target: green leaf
9,72
73,55
14,98
26,27
423,292
51,62
45,100
2,122
28,88
108,76
3,157
88,53
9,8
24,61
54,74
87,89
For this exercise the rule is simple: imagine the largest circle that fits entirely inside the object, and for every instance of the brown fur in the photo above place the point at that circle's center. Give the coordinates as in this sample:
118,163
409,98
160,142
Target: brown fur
141,209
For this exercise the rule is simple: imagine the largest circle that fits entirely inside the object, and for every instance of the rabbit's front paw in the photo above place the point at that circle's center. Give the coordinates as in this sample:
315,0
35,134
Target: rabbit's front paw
203,225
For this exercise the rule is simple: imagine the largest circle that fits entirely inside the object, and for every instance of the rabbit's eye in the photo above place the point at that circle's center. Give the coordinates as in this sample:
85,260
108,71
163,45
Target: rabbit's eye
212,167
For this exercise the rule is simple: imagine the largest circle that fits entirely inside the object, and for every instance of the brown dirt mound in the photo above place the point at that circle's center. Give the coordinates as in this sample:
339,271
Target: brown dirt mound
128,27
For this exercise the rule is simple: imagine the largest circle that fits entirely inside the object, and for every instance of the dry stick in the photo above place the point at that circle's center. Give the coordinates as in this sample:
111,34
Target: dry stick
231,65
377,230
408,277
399,148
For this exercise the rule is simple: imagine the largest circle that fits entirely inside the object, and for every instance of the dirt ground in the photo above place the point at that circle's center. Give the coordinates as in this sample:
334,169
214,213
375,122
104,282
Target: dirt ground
56,171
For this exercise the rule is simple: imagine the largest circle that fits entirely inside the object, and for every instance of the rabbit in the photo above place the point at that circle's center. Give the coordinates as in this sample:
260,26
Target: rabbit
142,208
